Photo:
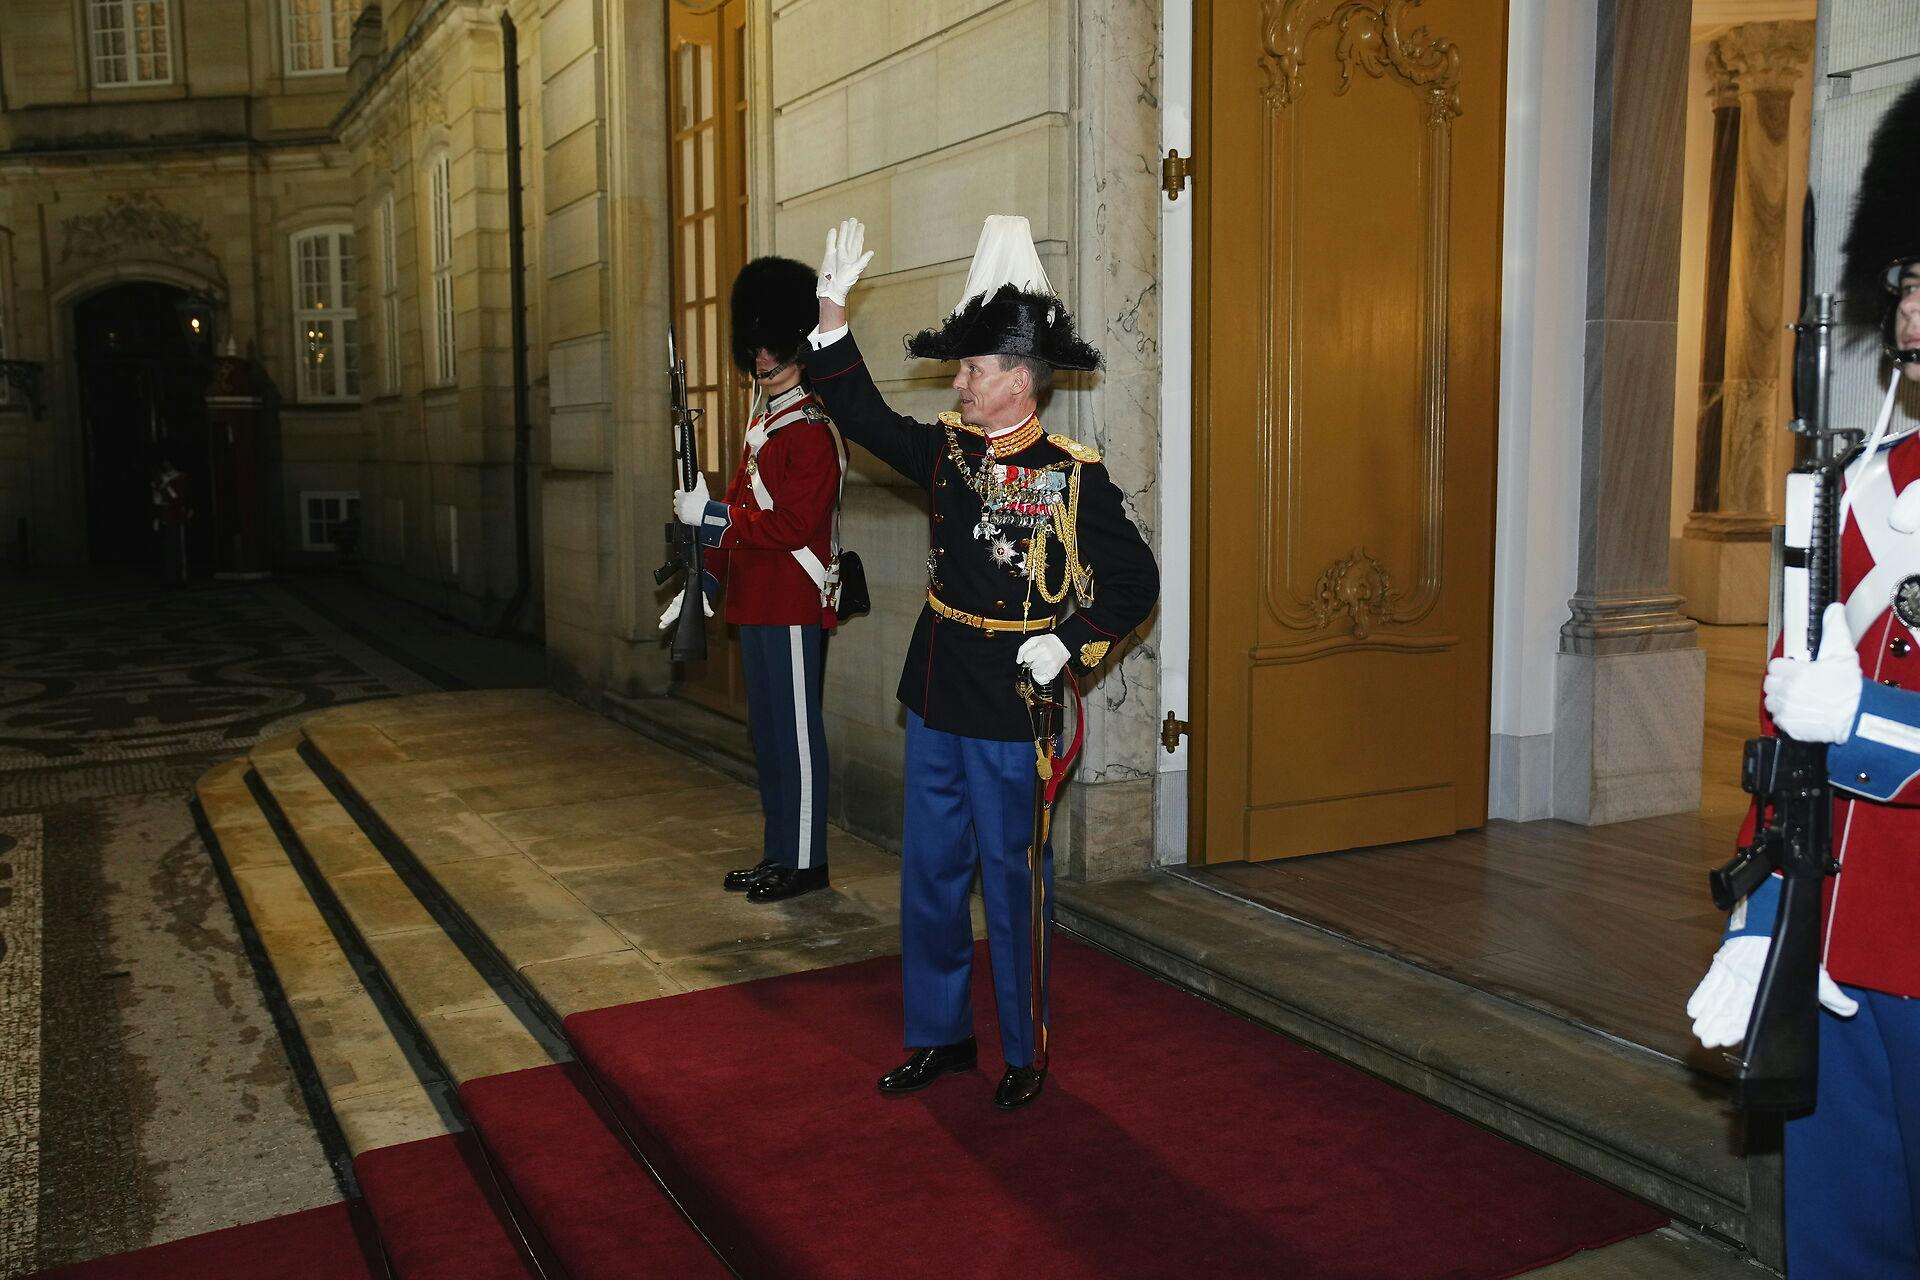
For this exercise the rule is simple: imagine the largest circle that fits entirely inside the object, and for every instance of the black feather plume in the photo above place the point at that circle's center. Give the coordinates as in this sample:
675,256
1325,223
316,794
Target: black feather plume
1012,322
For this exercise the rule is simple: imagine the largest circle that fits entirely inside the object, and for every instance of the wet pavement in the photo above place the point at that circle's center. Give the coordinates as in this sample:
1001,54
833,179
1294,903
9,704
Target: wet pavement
144,1091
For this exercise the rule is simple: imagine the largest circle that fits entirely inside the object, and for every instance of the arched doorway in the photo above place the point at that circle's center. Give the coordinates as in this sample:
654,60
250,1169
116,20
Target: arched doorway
142,353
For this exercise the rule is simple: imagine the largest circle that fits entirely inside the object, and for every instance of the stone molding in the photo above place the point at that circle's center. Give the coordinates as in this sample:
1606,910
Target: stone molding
1730,526
1760,57
1625,623
136,219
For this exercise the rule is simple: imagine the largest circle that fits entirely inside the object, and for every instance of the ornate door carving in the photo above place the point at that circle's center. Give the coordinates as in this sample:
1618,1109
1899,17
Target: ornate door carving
1348,305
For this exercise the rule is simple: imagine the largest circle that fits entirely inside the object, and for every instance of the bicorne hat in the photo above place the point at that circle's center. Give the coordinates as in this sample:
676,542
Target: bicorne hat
1884,235
773,307
1008,307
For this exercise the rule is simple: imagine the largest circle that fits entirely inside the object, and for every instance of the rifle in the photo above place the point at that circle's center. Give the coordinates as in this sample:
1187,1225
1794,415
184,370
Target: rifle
689,640
1778,1068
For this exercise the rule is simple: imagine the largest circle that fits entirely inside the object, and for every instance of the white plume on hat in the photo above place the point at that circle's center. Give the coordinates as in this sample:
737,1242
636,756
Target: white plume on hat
1005,255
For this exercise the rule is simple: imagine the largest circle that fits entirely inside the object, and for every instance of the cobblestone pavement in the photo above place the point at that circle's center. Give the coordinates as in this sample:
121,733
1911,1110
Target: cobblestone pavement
144,1093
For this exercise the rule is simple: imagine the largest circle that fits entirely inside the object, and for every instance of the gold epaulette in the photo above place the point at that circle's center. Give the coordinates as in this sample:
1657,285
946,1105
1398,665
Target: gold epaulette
814,413
951,418
1074,449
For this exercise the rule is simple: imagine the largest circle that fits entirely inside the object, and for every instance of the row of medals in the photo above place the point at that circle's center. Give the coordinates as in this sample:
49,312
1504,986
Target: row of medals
1016,504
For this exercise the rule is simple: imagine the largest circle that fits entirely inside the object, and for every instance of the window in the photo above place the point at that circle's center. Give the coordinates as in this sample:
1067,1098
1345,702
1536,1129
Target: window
440,214
319,35
131,42
326,337
331,519
389,298
708,107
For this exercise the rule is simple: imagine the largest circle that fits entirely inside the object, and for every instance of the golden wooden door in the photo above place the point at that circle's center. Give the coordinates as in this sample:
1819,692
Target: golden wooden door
707,105
1347,309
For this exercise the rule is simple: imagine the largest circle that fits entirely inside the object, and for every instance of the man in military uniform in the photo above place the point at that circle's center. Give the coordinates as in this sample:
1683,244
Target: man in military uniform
1023,525
773,543
1853,1163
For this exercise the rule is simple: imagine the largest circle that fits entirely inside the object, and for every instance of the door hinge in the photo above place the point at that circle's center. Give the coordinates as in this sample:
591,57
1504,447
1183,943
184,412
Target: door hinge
1175,171
1172,731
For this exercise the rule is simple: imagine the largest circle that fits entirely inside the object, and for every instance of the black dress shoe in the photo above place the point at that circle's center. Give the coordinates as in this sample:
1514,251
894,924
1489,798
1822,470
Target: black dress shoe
1018,1087
928,1065
782,882
746,877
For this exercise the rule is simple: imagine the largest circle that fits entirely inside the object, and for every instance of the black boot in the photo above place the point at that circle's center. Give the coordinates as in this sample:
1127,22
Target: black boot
786,882
928,1065
1018,1087
746,877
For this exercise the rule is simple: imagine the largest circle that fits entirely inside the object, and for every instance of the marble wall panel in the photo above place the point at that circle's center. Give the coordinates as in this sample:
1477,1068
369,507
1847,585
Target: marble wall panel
997,72
817,42
568,30
941,201
811,141
570,98
891,115
1861,34
575,236
578,372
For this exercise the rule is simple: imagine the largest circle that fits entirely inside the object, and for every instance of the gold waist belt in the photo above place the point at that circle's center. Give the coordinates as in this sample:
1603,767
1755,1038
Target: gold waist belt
989,625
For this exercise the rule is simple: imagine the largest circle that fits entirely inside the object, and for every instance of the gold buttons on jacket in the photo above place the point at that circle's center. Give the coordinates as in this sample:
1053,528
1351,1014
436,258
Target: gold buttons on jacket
1899,646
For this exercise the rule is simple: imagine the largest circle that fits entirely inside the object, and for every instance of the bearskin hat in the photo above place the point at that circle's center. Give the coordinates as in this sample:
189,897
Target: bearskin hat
1011,322
1886,212
773,307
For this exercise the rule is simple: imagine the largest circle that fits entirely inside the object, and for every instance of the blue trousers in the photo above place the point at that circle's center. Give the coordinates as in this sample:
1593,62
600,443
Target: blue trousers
1853,1163
969,804
784,669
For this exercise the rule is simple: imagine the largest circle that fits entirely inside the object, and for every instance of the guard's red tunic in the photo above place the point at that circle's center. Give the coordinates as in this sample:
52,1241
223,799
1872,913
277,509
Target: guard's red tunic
1871,936
799,467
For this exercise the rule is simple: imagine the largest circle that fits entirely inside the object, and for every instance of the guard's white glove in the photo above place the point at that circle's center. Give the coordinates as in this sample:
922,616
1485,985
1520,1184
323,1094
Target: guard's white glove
671,614
1043,656
690,506
1723,1002
1816,701
844,260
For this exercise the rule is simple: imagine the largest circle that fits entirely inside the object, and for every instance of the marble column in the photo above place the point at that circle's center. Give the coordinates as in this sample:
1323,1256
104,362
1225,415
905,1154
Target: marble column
1103,827
1630,677
1725,553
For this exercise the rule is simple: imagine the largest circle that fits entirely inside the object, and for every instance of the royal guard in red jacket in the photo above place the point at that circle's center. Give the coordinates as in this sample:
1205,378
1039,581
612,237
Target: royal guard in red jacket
772,545
1853,1162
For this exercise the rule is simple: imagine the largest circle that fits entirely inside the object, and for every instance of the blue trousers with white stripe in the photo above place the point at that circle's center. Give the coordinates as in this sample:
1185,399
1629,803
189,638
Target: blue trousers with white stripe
969,804
1853,1163
784,668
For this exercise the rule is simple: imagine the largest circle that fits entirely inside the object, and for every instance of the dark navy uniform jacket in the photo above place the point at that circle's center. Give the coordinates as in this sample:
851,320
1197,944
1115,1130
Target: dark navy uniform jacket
958,678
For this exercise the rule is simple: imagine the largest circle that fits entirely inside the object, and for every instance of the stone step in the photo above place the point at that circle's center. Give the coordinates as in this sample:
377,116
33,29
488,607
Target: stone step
581,1198
1610,1109
584,860
384,1119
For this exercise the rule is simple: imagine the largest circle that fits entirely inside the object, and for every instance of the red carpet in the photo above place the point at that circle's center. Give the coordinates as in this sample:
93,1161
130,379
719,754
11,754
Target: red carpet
603,1215
1173,1139
318,1244
434,1219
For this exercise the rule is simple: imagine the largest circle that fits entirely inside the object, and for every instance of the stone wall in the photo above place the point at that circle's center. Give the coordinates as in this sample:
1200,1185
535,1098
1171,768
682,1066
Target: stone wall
436,457
197,183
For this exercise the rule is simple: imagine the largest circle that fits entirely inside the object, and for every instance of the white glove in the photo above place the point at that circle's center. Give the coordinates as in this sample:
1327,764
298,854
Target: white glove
690,506
843,262
1723,1002
1043,656
671,614
1816,701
